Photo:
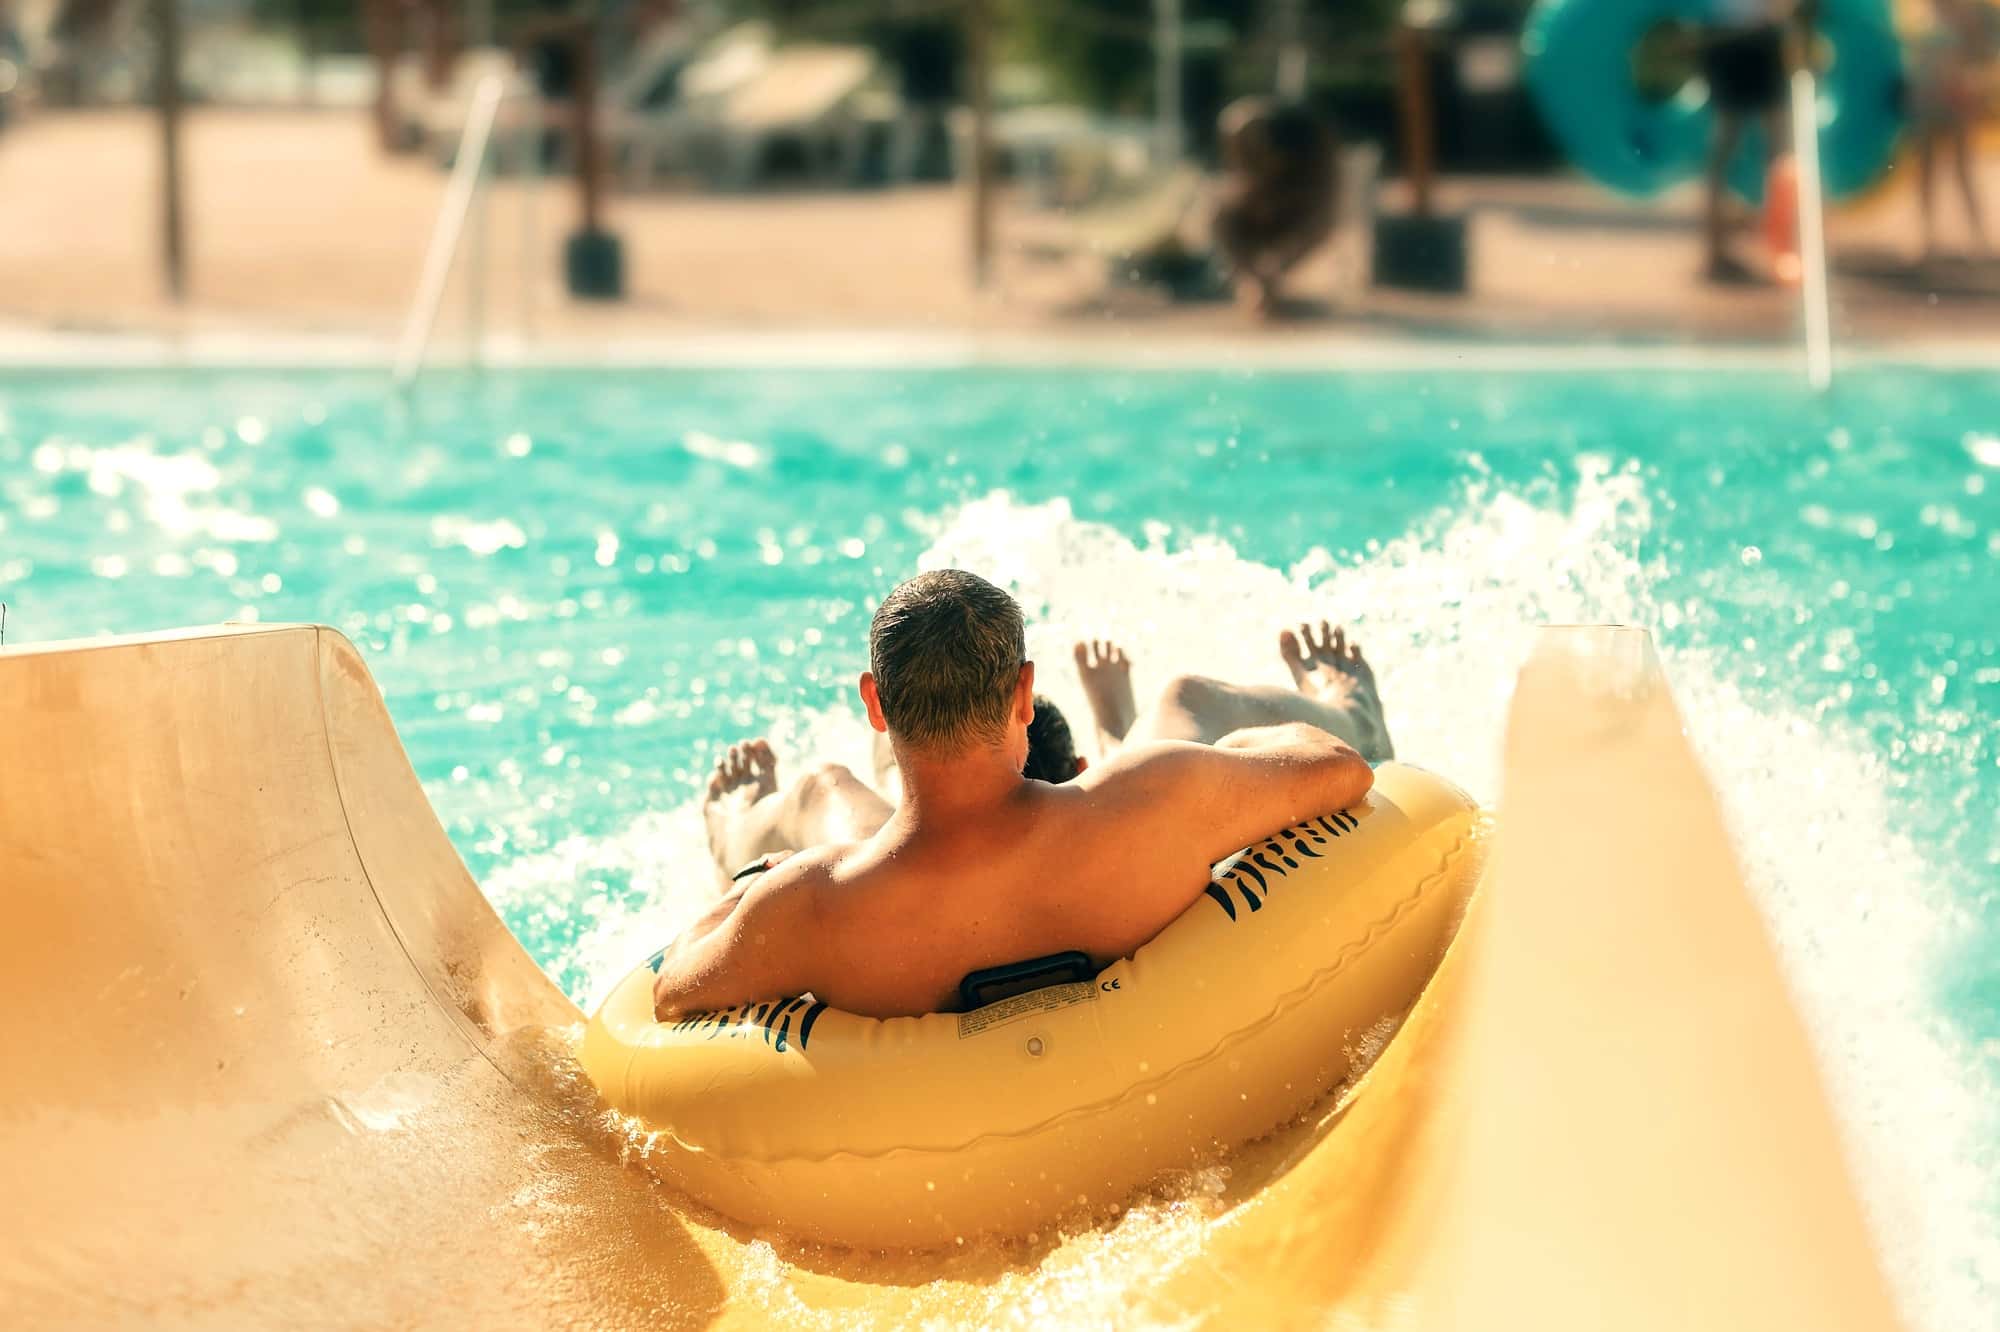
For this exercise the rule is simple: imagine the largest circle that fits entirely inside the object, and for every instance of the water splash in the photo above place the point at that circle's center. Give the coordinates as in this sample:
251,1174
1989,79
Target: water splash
1448,612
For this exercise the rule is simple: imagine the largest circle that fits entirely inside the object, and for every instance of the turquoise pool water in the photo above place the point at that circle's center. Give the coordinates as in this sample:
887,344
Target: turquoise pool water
575,586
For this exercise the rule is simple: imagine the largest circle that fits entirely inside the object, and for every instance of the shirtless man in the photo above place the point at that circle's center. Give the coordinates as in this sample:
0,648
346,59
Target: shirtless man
980,866
753,822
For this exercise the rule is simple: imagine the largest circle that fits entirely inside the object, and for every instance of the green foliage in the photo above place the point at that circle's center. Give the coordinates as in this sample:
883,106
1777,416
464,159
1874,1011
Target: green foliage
326,25
1100,52
1097,52
337,25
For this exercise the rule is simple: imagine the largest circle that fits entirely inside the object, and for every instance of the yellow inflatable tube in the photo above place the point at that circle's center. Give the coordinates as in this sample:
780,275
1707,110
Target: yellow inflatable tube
921,1131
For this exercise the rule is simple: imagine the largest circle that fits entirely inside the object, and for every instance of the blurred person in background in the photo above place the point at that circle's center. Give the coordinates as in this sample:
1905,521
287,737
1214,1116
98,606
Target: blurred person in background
392,28
1952,82
1276,202
1743,61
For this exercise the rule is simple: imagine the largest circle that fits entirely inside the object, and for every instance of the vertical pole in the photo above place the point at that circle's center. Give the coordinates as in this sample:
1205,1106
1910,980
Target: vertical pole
445,234
1291,85
589,177
1413,59
479,28
381,27
1167,78
979,72
1812,231
308,54
531,191
475,264
173,237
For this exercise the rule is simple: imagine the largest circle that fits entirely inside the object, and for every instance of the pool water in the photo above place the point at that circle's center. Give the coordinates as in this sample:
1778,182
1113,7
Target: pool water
575,586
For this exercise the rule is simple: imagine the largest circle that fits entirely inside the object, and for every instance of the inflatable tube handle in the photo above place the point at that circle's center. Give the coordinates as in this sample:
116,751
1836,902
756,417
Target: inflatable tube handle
992,984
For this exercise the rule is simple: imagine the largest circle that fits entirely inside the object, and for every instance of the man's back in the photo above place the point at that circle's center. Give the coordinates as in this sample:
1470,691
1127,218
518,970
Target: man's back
890,925
979,866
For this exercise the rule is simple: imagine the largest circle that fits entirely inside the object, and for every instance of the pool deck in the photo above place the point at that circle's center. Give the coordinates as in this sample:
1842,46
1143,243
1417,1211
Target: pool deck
305,245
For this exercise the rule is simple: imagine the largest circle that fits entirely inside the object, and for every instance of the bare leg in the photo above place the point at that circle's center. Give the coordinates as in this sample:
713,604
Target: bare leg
1968,185
749,815
1721,265
1335,675
1107,682
1926,189
1335,691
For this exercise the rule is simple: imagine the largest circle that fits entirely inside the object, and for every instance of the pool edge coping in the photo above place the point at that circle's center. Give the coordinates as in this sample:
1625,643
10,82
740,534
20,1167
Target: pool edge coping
51,349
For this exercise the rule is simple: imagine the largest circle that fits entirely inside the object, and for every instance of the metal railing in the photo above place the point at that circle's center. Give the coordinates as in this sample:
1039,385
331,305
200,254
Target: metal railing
461,194
1811,208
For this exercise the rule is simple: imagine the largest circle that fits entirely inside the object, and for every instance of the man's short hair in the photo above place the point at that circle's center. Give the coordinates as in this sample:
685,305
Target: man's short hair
946,649
1051,748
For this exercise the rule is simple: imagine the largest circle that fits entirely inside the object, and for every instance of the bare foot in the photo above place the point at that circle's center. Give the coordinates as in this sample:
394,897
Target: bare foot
745,774
1107,682
1328,668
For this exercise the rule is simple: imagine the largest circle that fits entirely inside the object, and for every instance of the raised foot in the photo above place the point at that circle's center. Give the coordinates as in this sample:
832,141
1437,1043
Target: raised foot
1106,673
745,774
1329,669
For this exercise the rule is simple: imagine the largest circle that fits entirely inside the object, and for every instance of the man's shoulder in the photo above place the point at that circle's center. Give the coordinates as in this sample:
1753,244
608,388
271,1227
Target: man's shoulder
1151,769
794,884
803,868
833,870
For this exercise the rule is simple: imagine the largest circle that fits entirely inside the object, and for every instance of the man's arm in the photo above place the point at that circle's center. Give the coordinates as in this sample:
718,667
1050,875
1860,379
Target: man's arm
1248,784
757,942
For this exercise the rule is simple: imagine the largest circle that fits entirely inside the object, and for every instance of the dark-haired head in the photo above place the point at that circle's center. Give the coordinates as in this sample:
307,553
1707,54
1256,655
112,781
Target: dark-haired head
1052,753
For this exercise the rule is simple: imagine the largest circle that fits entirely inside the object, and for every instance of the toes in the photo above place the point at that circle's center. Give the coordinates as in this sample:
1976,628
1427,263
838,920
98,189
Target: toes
746,763
1096,654
719,778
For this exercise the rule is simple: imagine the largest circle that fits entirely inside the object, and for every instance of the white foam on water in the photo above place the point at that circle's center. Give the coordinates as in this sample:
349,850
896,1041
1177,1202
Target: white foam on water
1447,613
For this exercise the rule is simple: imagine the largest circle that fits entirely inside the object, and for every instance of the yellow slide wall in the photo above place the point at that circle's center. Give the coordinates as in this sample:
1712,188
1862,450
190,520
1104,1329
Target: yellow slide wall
271,1060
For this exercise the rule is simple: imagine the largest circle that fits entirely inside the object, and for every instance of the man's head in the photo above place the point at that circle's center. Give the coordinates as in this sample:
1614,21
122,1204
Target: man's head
948,668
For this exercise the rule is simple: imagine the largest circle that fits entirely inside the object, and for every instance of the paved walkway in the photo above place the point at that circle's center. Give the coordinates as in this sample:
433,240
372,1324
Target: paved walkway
298,226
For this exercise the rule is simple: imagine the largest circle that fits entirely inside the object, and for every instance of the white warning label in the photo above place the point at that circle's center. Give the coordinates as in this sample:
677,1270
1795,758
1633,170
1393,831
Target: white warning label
1025,1005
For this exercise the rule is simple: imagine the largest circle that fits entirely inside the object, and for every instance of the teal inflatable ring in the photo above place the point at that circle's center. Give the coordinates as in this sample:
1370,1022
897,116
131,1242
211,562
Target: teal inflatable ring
1579,71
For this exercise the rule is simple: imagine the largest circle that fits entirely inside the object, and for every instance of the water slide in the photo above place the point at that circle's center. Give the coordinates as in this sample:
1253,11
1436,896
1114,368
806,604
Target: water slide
271,1060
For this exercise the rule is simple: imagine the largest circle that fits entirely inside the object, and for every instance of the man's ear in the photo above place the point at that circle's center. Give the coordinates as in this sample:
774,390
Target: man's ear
871,700
1024,694
1081,764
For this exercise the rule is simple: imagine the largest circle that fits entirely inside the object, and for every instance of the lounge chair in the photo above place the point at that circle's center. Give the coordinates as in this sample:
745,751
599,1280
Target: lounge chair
814,107
1142,234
